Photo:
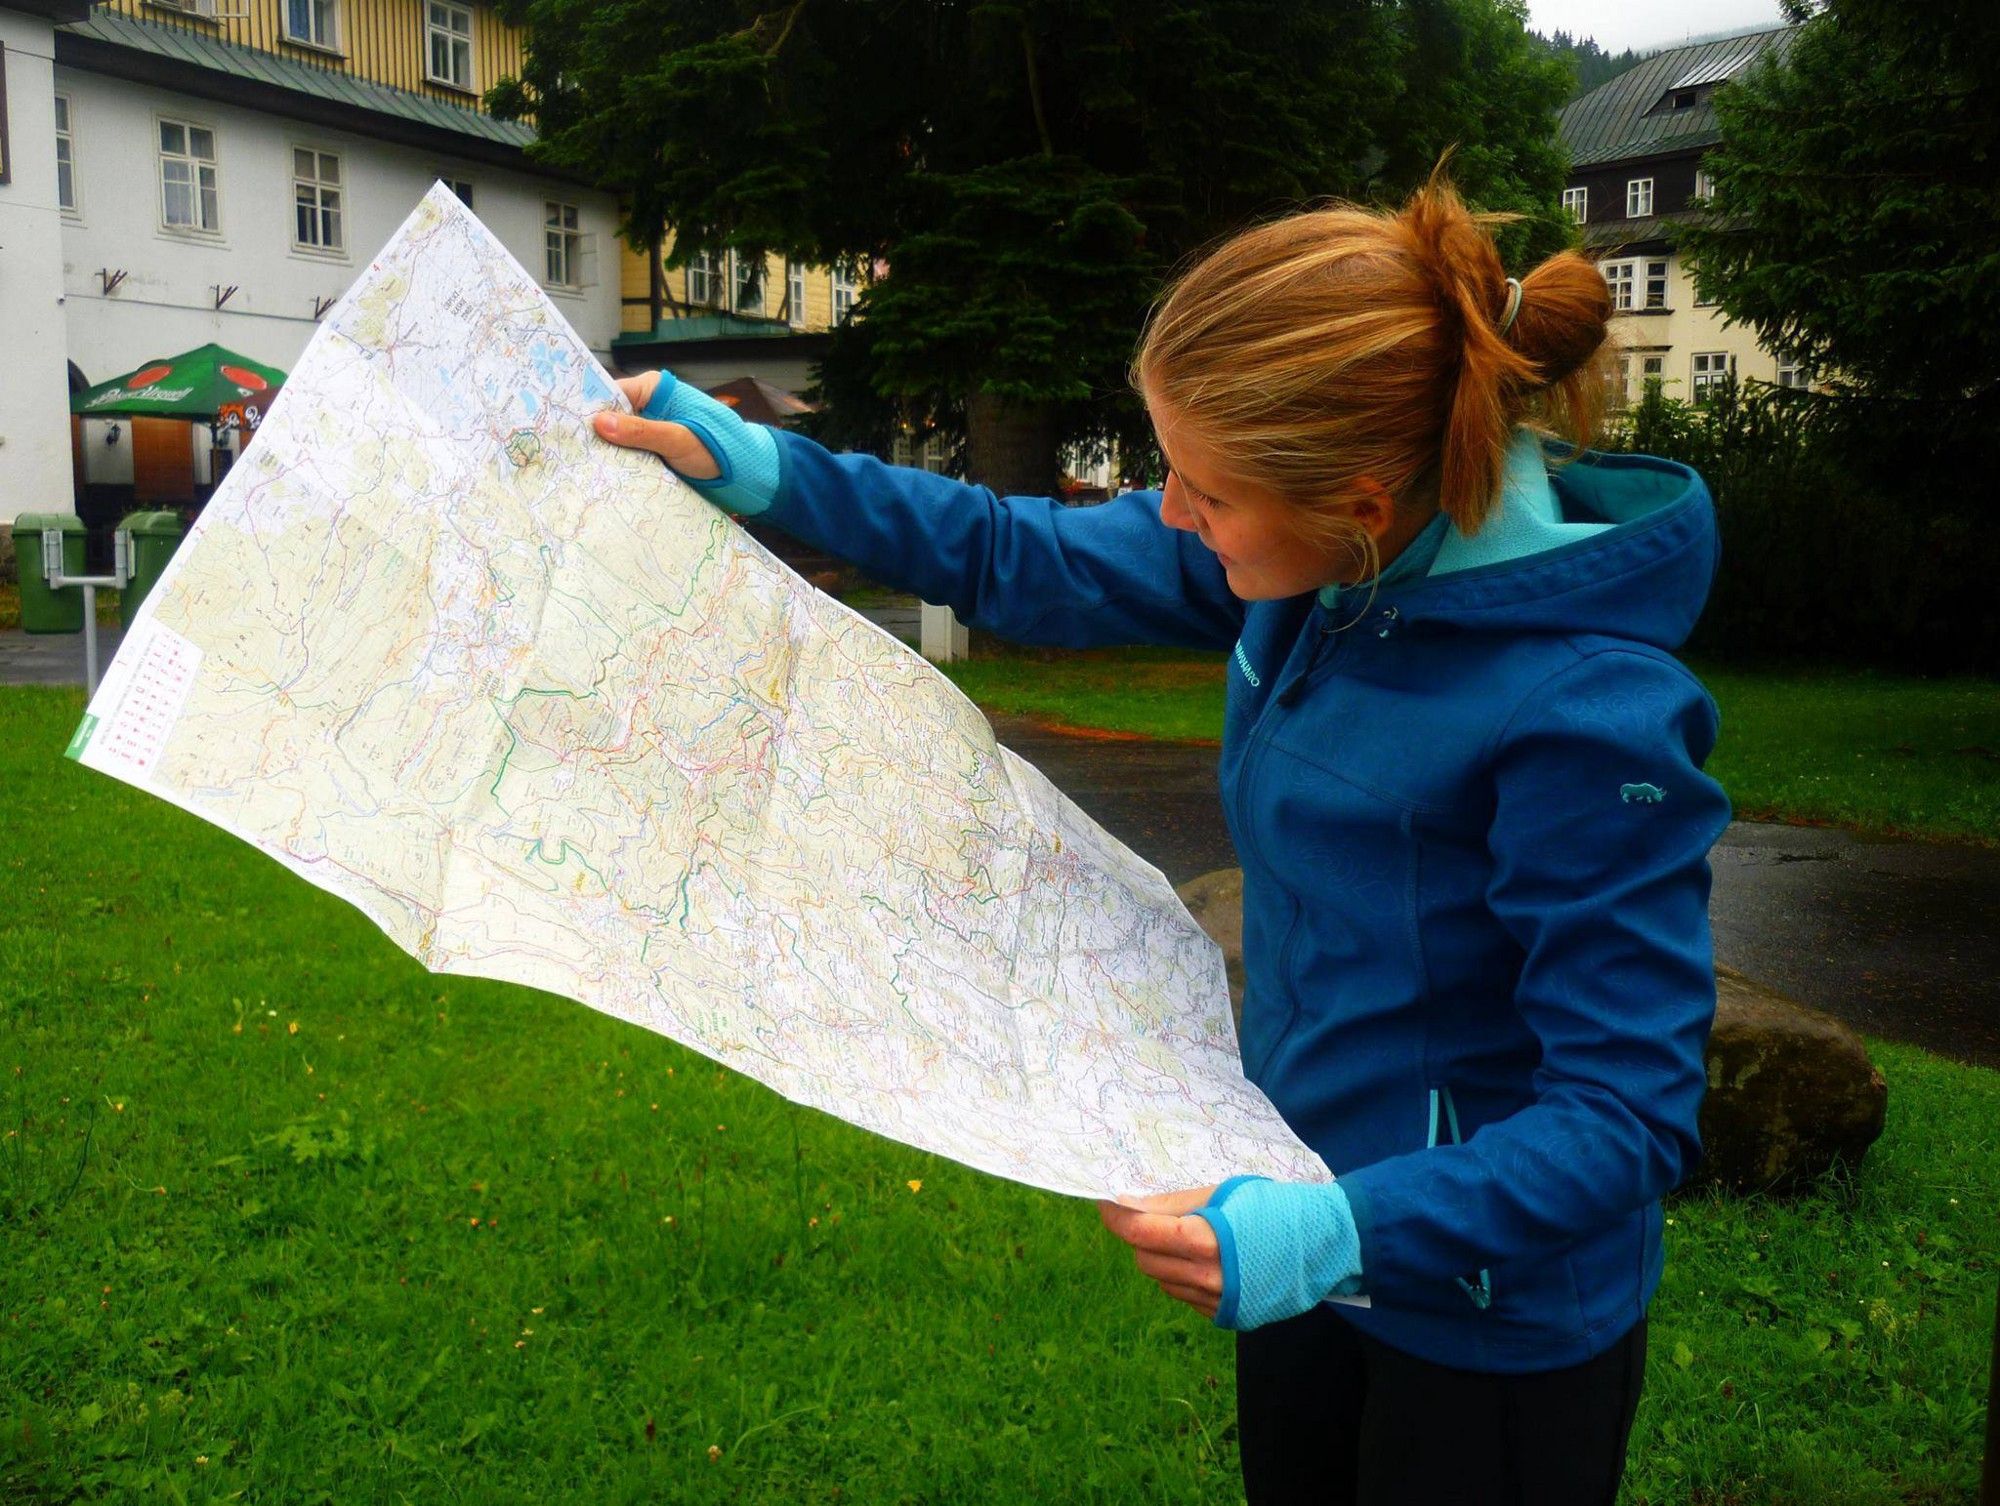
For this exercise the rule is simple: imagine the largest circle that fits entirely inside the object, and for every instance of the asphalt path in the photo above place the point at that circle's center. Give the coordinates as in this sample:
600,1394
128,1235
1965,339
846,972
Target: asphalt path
1899,938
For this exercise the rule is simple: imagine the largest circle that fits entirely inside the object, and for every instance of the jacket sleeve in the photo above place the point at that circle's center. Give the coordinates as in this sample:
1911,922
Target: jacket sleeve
1026,568
1602,823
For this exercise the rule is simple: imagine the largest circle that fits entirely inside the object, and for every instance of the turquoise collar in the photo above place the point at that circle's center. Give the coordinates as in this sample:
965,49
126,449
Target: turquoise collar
1528,521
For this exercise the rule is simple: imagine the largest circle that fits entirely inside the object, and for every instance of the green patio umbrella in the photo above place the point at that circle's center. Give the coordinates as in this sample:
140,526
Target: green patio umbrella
208,382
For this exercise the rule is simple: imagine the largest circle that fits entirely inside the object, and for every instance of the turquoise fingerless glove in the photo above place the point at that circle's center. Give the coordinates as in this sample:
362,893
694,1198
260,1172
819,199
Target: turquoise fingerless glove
1285,1246
747,453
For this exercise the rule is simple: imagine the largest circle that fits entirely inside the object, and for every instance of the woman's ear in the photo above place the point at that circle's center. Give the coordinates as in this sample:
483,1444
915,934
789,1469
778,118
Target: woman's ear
1371,506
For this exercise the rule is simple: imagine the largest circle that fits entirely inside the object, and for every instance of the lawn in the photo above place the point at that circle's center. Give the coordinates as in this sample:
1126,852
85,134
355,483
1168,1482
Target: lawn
285,1218
1860,748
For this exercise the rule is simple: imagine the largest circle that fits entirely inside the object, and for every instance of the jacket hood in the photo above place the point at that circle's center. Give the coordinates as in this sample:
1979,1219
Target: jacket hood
1622,545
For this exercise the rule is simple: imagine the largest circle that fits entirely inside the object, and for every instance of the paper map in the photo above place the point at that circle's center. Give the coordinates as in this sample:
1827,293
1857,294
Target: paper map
545,715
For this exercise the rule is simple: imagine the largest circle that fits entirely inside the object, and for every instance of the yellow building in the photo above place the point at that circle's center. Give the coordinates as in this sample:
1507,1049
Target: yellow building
725,315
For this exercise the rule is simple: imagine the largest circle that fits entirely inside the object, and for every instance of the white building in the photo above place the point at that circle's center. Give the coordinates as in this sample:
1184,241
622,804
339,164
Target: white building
1636,146
201,172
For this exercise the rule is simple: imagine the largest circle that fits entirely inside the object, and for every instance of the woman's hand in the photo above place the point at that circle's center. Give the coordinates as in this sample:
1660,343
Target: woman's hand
674,443
1176,1249
733,464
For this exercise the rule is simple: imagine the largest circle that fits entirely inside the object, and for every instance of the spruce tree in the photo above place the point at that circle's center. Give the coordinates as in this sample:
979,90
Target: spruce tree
1023,174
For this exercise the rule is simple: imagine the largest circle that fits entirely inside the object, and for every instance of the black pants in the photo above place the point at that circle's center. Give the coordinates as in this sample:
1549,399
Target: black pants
1329,1416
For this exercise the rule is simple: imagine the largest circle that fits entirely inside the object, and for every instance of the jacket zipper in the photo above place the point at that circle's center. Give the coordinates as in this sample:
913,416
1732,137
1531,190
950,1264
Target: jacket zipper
1260,739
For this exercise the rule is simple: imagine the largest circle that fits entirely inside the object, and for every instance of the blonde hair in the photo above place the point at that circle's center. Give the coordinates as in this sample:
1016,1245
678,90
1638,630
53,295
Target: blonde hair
1344,343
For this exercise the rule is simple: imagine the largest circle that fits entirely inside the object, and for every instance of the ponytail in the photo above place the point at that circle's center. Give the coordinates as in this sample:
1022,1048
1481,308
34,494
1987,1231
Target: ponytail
1345,344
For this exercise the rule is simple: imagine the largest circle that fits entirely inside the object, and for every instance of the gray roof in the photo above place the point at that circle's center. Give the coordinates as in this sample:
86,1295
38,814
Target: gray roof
1612,122
211,54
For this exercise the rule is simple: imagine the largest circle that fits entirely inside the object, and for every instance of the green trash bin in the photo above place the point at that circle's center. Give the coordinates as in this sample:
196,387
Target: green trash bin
43,610
155,536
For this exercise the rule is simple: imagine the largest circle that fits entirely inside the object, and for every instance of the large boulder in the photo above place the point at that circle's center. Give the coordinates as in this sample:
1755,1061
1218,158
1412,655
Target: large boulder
1790,1089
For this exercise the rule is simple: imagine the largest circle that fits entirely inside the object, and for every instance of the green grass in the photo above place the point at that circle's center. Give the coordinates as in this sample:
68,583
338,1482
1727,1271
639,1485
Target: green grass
1154,692
1872,750
273,1198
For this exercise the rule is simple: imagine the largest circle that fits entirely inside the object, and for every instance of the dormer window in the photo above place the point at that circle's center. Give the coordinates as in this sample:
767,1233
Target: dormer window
1682,99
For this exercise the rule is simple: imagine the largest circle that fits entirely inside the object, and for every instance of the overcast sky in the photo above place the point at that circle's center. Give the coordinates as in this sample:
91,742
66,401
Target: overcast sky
1644,24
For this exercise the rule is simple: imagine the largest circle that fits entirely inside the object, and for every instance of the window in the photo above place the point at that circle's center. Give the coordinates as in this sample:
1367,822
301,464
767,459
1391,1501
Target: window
1652,369
1704,185
704,280
1656,284
1618,277
1638,198
1794,373
313,22
795,293
1711,371
462,187
563,239
843,292
448,44
1576,201
65,158
1683,99
188,189
747,278
315,200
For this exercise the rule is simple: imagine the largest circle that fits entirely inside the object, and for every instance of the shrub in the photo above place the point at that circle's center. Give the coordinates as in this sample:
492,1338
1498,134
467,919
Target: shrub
1845,532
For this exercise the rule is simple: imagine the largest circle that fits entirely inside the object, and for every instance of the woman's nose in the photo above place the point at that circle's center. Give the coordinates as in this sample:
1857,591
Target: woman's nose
1173,507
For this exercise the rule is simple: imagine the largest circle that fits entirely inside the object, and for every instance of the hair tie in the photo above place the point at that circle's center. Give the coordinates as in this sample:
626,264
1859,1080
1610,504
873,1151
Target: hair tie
1513,304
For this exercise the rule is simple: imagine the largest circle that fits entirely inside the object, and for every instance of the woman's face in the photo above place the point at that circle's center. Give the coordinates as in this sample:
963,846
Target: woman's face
1251,529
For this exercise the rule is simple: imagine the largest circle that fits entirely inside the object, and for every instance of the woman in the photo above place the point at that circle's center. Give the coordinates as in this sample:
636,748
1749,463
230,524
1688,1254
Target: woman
1463,772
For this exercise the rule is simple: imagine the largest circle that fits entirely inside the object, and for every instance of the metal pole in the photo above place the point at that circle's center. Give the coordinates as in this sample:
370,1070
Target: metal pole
89,641
117,580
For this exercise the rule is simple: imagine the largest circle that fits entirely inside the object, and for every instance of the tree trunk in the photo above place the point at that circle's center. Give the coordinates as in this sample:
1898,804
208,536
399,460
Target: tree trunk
1011,446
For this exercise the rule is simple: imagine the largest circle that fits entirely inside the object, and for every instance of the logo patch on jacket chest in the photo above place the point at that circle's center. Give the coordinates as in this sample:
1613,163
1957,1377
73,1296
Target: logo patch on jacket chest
1243,663
1641,794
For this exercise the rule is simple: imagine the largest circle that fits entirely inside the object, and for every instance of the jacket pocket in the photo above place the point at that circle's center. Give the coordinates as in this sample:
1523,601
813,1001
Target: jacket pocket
1479,1287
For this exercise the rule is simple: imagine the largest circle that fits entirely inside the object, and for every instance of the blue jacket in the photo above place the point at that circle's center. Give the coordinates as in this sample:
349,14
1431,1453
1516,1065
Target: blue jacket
1474,833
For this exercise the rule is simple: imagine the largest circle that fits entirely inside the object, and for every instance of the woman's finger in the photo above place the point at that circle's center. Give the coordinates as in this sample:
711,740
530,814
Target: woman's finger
673,443
1168,1234
638,389
1200,1301
1189,1273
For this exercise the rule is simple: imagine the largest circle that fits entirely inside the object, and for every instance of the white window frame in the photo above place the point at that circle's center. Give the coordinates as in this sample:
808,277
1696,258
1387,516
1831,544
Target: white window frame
195,165
1704,185
462,187
704,283
1656,282
1638,198
328,198
739,264
843,287
1576,203
562,237
1703,381
453,39
795,293
1793,374
1651,368
72,207
325,10
1621,277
